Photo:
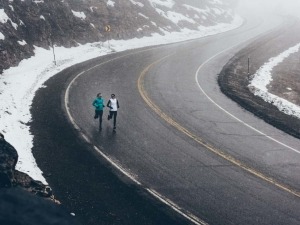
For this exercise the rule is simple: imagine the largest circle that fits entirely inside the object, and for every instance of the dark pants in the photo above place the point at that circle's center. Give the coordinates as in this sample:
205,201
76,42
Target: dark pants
99,114
113,114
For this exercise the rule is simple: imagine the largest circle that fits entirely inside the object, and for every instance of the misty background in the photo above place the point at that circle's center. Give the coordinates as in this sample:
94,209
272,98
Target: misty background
282,7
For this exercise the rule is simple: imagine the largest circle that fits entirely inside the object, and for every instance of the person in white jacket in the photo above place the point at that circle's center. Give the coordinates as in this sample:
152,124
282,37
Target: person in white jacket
113,104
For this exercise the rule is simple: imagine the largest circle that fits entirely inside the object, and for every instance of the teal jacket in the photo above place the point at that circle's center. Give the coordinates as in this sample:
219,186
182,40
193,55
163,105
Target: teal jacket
98,103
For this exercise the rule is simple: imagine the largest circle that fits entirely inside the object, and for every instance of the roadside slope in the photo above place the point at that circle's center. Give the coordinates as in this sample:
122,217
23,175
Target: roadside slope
234,77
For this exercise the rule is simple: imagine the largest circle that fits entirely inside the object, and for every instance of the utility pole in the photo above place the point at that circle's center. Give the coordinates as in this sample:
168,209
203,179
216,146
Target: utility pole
248,65
52,45
53,54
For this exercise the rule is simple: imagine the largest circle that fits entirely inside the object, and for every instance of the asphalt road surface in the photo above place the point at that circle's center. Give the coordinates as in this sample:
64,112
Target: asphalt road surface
178,137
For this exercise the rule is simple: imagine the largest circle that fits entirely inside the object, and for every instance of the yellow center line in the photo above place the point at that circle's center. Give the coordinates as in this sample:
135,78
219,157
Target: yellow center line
226,156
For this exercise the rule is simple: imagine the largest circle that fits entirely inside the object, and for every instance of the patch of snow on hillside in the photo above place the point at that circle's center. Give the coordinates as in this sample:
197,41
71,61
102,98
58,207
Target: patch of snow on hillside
142,15
174,17
14,24
137,3
111,3
188,7
177,17
153,23
165,3
80,15
22,42
3,16
262,78
92,8
2,37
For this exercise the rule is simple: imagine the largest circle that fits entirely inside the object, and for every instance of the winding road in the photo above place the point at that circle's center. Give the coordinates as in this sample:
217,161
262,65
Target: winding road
178,137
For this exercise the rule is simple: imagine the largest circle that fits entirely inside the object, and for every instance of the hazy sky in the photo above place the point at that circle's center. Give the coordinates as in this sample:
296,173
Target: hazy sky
290,7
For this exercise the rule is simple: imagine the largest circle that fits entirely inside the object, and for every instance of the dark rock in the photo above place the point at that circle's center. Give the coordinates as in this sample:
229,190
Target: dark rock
19,204
9,177
8,161
31,185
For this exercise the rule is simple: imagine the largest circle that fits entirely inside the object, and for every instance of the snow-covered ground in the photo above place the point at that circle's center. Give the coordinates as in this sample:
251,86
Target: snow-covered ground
262,78
18,85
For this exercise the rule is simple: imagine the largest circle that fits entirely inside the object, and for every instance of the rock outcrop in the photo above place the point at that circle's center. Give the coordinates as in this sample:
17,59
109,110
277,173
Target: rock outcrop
8,161
12,178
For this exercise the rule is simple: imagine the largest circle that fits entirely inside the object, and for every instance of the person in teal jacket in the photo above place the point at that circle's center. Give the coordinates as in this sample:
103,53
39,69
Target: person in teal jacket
98,103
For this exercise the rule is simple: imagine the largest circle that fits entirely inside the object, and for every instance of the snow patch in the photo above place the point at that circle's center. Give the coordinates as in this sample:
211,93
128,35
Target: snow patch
22,42
137,3
165,3
3,16
142,15
111,3
80,15
2,37
262,78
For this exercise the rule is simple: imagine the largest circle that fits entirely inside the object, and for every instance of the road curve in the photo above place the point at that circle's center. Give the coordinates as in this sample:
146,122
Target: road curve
178,136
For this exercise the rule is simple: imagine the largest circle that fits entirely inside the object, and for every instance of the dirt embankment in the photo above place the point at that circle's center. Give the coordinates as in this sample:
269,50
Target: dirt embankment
234,77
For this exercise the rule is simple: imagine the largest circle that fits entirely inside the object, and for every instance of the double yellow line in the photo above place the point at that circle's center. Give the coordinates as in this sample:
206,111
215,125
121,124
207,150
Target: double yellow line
231,159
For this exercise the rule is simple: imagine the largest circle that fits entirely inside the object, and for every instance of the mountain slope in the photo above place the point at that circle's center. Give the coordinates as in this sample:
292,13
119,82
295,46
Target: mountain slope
28,23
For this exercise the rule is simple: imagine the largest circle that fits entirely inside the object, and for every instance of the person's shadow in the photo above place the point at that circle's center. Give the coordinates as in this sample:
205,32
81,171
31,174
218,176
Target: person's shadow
104,138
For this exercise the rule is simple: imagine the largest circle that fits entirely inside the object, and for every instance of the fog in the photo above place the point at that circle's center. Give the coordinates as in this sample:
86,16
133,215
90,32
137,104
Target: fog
281,7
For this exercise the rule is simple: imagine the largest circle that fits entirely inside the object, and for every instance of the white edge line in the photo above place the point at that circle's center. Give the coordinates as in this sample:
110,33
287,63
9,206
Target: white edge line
189,216
239,120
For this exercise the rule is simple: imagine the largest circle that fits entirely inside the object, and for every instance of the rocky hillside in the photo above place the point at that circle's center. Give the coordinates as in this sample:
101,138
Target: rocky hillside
10,177
28,23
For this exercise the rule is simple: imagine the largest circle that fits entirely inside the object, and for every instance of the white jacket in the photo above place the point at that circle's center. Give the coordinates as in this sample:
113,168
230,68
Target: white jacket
113,104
